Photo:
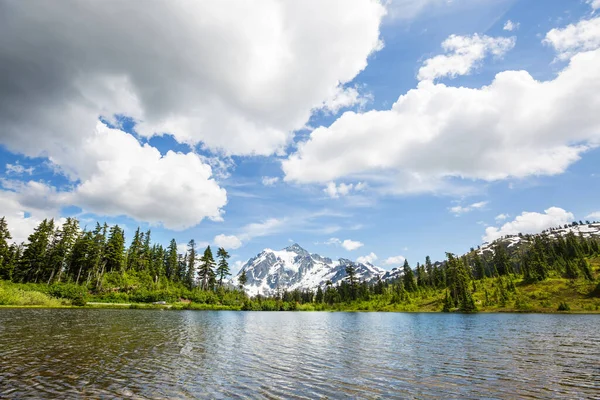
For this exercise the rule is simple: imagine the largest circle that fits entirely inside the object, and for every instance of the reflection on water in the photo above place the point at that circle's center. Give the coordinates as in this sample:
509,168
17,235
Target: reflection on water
142,354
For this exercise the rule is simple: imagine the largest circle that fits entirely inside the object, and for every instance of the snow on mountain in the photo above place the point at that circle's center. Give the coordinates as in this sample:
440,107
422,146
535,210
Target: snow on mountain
295,268
514,241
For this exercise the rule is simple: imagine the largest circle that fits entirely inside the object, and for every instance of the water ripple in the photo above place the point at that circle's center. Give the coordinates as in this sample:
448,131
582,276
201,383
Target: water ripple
141,354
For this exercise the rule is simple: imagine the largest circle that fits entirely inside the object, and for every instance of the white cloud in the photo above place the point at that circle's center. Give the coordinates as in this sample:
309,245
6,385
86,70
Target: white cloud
18,169
351,245
394,260
511,26
347,244
463,54
25,205
250,74
269,180
594,216
595,4
465,209
119,176
501,217
369,258
230,242
529,223
575,38
345,97
396,146
335,191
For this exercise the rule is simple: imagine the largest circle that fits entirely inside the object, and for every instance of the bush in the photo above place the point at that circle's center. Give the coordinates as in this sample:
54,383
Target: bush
563,306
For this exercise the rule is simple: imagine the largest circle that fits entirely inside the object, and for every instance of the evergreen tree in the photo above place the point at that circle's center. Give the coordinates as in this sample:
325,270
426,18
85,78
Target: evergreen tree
206,271
351,279
458,277
242,279
191,267
171,261
429,271
408,278
6,264
114,255
500,260
33,262
223,268
134,251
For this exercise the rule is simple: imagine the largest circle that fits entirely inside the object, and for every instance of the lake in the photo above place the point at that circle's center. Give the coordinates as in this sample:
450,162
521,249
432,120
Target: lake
153,354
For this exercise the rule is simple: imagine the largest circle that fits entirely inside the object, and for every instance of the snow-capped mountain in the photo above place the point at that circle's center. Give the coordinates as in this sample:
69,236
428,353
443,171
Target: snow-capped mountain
295,268
513,242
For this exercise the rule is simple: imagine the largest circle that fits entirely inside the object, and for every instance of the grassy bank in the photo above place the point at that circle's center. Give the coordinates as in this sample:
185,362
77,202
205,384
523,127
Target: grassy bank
490,295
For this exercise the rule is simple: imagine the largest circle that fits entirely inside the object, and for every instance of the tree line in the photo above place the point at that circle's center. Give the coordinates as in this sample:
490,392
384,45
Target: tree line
69,254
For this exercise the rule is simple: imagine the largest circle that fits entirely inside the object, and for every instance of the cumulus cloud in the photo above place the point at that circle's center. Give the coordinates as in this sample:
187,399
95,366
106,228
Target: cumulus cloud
465,209
575,38
394,260
463,55
595,4
351,245
368,259
347,244
345,97
231,242
119,176
239,78
269,180
593,216
334,191
530,223
488,133
511,26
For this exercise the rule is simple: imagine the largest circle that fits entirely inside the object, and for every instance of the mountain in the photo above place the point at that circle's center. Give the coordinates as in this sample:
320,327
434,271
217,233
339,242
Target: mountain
513,243
295,268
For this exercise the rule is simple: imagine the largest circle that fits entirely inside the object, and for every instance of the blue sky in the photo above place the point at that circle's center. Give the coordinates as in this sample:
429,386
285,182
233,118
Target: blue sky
372,132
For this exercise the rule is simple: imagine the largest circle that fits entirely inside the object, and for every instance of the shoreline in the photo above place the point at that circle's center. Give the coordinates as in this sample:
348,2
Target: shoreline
199,307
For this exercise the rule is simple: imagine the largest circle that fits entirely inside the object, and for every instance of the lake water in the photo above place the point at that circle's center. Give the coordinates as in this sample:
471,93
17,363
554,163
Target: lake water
154,354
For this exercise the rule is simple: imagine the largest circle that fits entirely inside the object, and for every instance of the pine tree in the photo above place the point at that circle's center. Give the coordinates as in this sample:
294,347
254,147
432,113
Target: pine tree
134,251
114,255
33,261
191,266
6,264
458,277
429,271
223,268
206,269
351,278
242,279
408,278
171,261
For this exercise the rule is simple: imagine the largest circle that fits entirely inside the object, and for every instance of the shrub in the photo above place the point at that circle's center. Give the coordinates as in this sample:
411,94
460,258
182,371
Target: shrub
563,306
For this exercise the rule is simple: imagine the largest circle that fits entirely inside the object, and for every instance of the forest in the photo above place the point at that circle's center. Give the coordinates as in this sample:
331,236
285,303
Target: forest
69,266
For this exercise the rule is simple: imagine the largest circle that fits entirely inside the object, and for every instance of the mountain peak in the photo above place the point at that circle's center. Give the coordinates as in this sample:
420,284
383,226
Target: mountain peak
296,248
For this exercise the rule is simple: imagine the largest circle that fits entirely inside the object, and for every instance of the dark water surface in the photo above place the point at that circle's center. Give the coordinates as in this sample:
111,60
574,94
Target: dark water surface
153,354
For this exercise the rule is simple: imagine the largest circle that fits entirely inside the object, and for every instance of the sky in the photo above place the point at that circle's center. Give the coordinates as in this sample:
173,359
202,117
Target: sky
372,131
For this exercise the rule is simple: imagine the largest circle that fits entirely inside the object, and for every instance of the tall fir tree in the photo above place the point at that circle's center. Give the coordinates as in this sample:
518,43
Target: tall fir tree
206,271
223,267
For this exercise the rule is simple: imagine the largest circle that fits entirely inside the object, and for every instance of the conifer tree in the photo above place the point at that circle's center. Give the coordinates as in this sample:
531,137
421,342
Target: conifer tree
206,269
171,261
351,278
408,278
191,266
114,256
223,268
242,279
6,265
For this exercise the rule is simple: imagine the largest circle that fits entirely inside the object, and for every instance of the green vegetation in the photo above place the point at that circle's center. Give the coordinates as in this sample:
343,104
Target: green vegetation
69,267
